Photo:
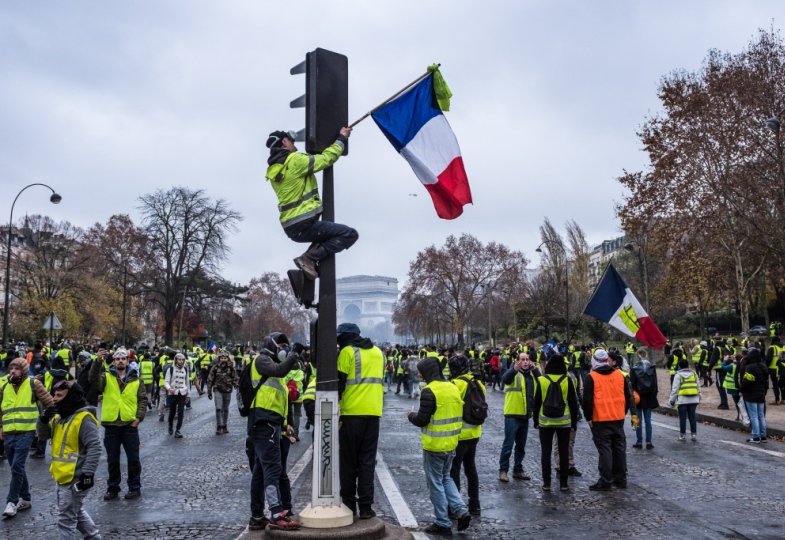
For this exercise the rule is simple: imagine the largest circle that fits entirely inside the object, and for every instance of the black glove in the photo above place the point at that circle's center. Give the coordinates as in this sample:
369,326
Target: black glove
47,415
84,483
209,395
298,348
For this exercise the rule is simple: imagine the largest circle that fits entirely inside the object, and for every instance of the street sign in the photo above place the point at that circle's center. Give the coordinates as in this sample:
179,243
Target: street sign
52,323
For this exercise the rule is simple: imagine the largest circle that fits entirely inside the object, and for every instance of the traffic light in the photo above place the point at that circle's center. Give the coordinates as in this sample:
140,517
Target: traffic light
303,288
326,98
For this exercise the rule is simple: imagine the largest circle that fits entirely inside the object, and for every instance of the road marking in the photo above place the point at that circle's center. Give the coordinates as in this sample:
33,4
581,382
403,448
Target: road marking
748,446
666,426
402,512
300,465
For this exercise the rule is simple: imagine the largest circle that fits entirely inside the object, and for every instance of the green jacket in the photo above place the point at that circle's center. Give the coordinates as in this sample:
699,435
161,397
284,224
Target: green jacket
294,183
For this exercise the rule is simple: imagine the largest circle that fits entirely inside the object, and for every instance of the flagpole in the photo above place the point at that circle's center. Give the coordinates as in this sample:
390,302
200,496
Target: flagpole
388,100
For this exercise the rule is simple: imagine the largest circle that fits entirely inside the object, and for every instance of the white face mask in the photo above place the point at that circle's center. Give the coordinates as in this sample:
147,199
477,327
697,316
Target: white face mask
282,354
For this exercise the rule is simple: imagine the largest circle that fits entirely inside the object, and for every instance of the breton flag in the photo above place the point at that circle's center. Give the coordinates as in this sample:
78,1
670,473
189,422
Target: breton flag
415,125
614,303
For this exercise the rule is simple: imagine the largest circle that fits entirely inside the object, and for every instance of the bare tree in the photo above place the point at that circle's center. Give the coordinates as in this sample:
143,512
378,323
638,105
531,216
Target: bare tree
188,234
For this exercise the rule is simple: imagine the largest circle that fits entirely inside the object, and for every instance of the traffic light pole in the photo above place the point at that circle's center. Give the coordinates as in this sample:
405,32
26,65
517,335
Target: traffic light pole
326,509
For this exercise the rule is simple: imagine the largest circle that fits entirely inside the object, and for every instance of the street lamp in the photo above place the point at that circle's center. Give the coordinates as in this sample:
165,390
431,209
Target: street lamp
55,198
566,284
642,269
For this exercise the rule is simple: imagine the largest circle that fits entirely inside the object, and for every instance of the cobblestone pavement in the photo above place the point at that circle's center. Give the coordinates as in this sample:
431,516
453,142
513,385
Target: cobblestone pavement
197,487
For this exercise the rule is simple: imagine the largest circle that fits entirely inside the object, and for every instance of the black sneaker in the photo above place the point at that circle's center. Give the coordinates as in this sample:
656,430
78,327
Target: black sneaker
572,471
754,440
600,486
133,495
649,446
110,495
762,439
621,484
563,486
178,435
160,418
171,430
38,455
438,530
464,520
637,445
367,513
258,524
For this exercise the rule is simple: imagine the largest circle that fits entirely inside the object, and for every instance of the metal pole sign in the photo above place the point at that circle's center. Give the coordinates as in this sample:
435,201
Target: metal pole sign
326,482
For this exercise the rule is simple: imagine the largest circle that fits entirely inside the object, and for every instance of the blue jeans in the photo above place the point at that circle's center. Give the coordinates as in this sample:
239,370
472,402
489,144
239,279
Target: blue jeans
515,431
757,412
645,418
444,495
687,411
17,446
333,237
126,437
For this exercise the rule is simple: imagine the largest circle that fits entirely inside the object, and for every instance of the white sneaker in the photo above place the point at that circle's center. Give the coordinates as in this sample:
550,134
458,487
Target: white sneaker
23,505
10,510
681,438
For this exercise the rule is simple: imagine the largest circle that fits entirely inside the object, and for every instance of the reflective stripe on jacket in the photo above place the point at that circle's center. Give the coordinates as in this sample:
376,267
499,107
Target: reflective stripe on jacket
442,432
65,445
364,392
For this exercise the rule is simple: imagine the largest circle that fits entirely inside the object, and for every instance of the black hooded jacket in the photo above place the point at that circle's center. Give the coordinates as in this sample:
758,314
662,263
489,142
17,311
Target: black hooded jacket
429,370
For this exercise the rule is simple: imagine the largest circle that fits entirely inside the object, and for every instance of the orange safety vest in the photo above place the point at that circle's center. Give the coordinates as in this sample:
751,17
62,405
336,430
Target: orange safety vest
608,396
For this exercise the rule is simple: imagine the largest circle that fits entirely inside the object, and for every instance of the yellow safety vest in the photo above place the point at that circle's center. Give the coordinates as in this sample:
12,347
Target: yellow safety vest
364,392
272,395
65,354
297,376
146,367
20,412
468,431
689,385
729,383
515,402
117,404
310,391
442,432
545,381
65,445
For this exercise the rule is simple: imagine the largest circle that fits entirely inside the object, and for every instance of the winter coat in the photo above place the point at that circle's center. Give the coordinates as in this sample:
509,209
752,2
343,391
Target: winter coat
223,377
675,398
754,382
648,397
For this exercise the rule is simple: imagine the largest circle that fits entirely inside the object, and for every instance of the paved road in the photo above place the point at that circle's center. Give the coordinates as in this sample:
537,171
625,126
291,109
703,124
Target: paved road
197,487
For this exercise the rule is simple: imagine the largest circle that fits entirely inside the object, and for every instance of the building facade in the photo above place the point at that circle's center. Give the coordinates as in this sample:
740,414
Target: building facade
368,301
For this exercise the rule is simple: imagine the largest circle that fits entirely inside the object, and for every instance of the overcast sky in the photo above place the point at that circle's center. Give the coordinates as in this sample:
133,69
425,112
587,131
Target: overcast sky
105,101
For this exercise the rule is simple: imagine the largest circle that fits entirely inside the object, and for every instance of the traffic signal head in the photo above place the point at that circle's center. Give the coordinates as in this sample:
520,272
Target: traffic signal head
326,98
303,288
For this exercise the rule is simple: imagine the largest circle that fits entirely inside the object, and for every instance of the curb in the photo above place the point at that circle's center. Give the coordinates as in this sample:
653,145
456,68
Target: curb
722,422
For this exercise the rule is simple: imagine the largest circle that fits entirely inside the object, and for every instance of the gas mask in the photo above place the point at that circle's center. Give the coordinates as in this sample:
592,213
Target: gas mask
283,353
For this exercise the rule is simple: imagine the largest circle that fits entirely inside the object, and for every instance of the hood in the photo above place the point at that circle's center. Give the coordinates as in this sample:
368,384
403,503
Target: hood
429,369
555,365
602,368
357,341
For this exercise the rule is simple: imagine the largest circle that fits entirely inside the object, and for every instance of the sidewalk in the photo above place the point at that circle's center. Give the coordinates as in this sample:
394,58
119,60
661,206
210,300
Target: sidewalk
708,411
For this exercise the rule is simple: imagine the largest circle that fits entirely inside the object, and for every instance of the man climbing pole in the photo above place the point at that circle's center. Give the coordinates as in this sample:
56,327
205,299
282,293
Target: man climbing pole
291,174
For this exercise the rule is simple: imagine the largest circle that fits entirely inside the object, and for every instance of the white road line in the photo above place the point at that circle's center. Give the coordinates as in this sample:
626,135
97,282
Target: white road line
402,512
748,446
666,426
300,465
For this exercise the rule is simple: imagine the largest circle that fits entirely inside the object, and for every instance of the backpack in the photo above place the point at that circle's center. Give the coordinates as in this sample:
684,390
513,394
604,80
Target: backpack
553,405
645,379
475,408
246,391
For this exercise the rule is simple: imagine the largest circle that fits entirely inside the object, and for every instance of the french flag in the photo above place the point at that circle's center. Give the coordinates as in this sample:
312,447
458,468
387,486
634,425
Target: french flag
419,131
614,303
